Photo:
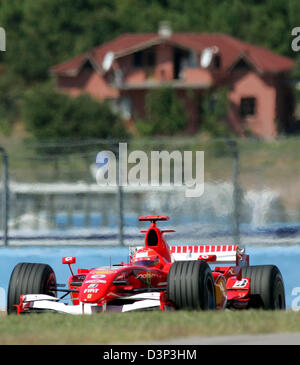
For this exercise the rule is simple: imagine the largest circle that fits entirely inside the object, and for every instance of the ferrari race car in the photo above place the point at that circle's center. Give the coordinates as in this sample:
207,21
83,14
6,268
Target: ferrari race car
157,276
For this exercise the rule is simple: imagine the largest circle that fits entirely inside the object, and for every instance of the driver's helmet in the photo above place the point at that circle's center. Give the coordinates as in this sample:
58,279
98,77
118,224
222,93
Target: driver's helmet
145,257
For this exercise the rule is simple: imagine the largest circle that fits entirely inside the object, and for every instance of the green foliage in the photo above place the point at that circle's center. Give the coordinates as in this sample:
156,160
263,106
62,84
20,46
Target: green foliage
165,113
11,89
49,115
42,33
296,72
214,109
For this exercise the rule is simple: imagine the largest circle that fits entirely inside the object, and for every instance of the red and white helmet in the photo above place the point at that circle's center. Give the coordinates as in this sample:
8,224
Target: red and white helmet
146,257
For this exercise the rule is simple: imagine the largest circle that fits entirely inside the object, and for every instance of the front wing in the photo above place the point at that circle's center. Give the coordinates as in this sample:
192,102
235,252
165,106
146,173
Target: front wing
41,302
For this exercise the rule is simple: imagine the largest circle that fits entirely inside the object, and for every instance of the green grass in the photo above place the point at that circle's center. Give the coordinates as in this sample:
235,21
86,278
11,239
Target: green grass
140,327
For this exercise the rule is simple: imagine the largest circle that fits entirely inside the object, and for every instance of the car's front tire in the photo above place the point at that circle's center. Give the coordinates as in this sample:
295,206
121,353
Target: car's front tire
29,278
191,286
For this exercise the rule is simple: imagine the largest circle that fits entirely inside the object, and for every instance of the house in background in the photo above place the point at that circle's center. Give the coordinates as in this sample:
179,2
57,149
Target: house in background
126,68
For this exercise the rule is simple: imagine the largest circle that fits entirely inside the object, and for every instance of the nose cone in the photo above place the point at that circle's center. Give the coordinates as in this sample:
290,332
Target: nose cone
96,285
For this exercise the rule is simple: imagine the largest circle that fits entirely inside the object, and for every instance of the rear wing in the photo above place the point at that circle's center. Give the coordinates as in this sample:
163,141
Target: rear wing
221,254
210,253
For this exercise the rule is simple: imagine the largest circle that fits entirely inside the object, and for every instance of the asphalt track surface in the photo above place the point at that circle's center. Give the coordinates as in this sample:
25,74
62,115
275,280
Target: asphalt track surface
262,339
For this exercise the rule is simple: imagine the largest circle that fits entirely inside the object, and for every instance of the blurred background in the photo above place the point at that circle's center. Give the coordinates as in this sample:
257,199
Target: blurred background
80,77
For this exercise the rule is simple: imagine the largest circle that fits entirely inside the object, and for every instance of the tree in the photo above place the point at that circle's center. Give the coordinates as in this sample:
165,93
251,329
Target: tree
49,115
165,113
11,89
214,109
43,33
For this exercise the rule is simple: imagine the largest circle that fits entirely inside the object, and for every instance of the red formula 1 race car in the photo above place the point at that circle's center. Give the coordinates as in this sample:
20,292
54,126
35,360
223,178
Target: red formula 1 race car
157,276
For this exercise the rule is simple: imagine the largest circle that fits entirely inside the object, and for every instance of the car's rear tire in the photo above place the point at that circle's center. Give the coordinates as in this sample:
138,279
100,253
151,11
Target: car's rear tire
191,286
29,278
266,287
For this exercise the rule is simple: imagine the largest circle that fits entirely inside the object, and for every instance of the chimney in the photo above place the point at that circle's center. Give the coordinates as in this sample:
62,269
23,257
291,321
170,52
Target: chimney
165,29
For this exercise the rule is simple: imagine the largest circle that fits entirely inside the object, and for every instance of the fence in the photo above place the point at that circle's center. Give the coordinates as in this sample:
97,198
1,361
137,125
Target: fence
50,194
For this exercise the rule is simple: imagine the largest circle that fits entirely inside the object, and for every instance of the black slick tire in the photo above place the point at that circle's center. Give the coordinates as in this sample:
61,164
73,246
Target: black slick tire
191,286
29,278
266,287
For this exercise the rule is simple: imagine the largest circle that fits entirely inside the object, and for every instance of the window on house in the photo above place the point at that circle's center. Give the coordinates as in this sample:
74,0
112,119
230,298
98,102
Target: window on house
138,59
192,60
149,58
87,66
247,107
181,60
242,65
217,61
144,58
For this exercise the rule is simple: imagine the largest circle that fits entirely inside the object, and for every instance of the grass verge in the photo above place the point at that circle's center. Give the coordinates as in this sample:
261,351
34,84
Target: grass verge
140,327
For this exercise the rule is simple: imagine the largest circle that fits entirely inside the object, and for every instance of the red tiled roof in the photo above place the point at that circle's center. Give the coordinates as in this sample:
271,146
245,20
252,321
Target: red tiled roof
69,66
231,49
122,43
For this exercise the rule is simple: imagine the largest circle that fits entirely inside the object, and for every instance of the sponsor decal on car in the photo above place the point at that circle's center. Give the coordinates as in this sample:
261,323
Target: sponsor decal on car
94,291
240,283
98,276
104,271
